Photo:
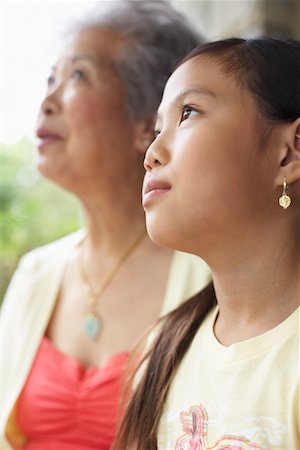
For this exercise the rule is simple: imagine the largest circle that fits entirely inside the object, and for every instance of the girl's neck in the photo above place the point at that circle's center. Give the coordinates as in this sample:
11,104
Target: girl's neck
258,289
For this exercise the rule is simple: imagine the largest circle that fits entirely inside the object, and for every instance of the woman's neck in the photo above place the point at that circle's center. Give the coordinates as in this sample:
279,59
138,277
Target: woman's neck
114,230
110,243
113,217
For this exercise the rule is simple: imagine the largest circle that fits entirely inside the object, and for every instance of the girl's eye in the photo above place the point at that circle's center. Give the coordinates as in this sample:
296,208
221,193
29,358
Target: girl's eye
187,111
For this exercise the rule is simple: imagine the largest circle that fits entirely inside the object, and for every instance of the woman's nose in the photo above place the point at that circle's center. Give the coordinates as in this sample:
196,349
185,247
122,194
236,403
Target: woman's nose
53,99
49,105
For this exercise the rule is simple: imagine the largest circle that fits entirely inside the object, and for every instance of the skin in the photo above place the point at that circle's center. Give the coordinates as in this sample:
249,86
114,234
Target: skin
98,156
86,107
219,197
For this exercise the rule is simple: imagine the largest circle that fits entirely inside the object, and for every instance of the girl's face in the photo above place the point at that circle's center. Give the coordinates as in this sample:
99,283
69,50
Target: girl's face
84,135
206,179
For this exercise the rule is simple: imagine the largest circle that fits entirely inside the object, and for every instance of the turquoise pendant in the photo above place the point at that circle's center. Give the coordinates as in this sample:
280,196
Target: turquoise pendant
92,325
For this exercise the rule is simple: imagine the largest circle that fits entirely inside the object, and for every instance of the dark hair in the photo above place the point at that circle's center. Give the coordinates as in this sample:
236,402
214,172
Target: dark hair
140,422
270,69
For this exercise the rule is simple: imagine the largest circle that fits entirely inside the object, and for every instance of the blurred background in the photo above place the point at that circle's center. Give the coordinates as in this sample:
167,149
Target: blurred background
32,210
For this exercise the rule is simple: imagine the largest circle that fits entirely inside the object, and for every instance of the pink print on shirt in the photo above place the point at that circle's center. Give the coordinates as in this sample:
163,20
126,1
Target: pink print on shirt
194,424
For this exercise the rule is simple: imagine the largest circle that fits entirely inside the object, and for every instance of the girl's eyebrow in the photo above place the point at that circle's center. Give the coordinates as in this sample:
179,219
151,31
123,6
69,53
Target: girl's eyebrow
194,90
186,92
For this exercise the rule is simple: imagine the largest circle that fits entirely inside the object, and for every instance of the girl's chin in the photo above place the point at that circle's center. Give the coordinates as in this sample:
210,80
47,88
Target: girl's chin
162,236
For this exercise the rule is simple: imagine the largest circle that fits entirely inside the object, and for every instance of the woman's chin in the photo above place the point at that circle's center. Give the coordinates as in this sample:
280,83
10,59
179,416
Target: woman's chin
46,171
53,173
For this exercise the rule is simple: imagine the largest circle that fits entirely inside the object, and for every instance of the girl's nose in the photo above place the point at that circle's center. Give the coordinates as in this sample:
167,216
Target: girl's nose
156,156
150,161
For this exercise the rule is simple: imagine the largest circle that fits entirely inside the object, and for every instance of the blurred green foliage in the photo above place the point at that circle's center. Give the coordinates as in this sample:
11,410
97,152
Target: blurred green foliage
33,211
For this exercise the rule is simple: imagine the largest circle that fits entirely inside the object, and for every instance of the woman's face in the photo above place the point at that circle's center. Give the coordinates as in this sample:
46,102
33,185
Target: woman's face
84,136
206,179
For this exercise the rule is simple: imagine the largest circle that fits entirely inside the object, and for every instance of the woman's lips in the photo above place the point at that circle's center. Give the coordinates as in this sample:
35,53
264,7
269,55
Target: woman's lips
154,189
46,137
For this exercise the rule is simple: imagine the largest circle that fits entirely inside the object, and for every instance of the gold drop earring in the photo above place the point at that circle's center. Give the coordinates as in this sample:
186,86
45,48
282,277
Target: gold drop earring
285,200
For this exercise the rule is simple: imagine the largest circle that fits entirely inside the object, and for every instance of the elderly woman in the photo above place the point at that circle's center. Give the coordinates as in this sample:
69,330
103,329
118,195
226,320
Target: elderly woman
76,307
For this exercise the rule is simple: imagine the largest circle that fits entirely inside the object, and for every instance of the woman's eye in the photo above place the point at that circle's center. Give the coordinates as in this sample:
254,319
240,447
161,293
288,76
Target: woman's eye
77,74
50,81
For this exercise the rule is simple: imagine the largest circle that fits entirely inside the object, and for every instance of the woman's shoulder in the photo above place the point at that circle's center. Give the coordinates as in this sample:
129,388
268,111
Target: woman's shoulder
53,250
41,266
192,264
188,275
43,261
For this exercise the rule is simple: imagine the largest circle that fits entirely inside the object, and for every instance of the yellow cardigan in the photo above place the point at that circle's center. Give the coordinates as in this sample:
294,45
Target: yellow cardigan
29,303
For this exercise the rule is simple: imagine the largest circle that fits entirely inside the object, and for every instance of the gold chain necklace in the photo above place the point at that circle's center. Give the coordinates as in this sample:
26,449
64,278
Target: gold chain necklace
92,323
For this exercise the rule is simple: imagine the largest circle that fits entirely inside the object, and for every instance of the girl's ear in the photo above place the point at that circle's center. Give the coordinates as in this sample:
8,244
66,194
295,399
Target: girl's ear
289,156
144,134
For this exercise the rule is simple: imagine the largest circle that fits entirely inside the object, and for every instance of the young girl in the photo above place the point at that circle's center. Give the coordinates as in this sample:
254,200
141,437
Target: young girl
223,182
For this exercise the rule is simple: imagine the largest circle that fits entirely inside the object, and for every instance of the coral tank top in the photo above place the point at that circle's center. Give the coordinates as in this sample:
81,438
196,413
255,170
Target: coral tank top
64,406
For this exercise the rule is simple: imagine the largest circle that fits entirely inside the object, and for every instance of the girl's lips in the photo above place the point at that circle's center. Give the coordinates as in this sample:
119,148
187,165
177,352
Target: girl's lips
153,189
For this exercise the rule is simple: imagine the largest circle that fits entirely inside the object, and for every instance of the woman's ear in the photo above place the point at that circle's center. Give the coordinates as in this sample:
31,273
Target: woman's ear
144,134
289,157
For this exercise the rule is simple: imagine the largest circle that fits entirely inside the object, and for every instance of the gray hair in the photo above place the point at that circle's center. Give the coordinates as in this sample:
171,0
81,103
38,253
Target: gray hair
157,37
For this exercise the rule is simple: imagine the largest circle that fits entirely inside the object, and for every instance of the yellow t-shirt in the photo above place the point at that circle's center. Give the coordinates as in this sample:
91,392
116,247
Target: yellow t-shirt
242,397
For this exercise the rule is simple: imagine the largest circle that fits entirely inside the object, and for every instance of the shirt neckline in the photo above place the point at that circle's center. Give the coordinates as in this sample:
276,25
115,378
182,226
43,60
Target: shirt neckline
254,347
110,361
